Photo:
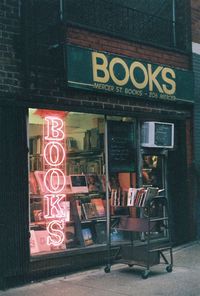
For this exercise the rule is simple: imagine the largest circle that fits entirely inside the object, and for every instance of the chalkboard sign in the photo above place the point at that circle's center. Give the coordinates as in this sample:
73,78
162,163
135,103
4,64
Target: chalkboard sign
163,134
121,153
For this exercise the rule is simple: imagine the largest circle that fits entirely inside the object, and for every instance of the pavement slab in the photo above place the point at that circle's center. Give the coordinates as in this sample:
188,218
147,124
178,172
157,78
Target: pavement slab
184,280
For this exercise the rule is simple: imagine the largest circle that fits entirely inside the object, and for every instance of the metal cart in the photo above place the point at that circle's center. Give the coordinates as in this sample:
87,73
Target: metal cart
150,248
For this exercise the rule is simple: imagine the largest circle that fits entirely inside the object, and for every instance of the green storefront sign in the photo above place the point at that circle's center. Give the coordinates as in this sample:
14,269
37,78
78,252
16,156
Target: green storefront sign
104,72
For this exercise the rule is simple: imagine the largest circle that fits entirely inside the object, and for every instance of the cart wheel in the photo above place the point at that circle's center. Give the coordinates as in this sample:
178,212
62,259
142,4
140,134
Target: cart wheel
107,269
130,265
169,268
145,274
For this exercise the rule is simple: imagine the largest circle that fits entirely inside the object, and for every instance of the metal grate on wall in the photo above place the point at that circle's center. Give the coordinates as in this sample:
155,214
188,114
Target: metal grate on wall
164,23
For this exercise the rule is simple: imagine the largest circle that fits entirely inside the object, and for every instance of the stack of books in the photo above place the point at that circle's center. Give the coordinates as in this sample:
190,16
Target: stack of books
92,209
139,197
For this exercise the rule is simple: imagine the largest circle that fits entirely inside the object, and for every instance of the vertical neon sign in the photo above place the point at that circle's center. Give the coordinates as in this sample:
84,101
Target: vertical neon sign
54,178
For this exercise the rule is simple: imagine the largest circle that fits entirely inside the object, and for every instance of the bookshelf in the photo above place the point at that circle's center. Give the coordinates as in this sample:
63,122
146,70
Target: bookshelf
90,161
86,222
89,216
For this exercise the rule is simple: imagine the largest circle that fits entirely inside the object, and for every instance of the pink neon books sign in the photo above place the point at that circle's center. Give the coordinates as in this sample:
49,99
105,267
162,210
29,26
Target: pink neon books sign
54,178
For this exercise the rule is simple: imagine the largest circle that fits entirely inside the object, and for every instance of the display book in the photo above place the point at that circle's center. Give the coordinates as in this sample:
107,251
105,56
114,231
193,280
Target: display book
85,225
88,210
136,197
89,207
39,224
125,204
90,218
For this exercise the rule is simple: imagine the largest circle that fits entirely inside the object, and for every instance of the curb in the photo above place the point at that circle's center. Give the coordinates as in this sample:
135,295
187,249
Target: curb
187,245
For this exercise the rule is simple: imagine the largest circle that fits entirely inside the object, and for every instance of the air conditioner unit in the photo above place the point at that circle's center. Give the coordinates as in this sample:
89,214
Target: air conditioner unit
157,134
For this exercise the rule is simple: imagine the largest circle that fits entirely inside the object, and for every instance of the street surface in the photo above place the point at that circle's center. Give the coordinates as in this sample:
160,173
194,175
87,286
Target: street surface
184,280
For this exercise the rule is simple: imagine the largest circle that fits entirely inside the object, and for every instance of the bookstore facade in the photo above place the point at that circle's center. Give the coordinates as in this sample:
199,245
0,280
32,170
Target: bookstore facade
83,160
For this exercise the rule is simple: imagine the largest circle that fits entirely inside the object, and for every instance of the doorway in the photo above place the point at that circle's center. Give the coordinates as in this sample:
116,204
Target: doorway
153,169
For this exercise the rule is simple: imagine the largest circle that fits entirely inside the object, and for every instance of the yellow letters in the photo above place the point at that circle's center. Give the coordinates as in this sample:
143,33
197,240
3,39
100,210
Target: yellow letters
100,67
169,81
139,85
112,74
161,78
152,78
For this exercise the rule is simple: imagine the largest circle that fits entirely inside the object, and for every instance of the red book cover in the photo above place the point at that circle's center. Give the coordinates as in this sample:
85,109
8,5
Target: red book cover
33,187
99,206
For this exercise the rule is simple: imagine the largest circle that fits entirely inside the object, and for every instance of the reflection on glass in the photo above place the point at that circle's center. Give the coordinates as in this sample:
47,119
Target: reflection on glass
152,176
152,173
66,180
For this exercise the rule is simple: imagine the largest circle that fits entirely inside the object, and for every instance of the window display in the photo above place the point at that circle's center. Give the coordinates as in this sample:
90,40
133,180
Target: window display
67,178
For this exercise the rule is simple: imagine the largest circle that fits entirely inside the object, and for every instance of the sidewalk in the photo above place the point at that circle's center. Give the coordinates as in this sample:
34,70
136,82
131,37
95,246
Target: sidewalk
122,280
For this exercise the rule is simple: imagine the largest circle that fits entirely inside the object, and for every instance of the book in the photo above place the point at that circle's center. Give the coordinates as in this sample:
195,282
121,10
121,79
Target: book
98,202
131,196
103,183
119,197
65,210
35,145
89,210
87,236
151,192
124,198
142,200
139,196
94,183
116,235
94,138
70,236
39,175
79,209
41,238
38,215
33,187
34,248
36,209
100,229
113,197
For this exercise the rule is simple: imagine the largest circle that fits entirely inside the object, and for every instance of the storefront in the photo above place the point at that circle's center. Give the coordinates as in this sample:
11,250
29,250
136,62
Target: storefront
78,161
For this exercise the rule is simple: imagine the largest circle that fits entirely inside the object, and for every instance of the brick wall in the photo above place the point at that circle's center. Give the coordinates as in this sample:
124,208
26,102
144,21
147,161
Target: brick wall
50,81
134,50
9,38
53,87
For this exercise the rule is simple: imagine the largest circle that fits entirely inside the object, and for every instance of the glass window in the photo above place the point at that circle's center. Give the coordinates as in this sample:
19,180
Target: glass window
152,171
66,180
153,177
122,172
